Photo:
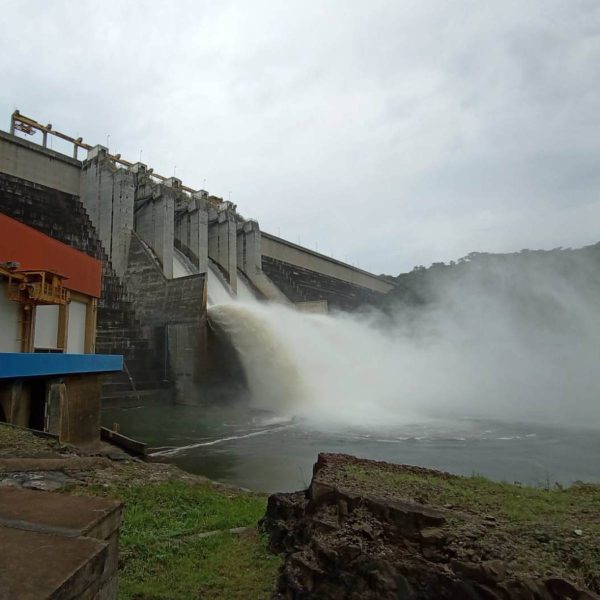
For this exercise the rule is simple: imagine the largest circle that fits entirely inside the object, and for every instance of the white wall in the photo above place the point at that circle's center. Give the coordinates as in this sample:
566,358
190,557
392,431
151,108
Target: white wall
76,329
46,326
10,315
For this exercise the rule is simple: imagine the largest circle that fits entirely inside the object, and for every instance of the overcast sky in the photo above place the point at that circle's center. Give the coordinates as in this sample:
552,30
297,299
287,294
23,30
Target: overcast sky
391,133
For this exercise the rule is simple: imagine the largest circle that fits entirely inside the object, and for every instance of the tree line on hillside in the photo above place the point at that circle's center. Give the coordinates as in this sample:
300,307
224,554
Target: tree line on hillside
531,275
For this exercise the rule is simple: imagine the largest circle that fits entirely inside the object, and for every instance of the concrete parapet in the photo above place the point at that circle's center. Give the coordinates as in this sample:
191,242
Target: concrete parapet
38,565
61,514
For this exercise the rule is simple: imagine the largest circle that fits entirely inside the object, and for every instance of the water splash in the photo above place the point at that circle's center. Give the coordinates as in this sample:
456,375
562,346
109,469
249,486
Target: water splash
321,367
475,354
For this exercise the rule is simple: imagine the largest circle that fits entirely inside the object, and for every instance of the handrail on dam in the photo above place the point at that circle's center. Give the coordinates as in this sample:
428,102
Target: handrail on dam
27,125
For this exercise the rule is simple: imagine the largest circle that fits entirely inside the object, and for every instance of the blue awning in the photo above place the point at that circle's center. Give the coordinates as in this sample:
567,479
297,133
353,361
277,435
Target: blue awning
24,364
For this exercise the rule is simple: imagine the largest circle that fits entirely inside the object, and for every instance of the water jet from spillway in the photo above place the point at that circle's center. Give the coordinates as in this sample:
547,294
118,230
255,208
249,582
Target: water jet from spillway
474,354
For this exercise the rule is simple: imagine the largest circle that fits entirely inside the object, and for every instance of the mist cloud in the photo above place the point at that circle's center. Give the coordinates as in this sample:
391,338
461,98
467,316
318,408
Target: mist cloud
510,338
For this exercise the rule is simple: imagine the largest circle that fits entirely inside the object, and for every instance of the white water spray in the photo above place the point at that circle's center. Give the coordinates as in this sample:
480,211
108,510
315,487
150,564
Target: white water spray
474,355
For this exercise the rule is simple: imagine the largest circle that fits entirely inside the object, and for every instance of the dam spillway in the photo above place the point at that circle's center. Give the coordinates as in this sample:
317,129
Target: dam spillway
168,252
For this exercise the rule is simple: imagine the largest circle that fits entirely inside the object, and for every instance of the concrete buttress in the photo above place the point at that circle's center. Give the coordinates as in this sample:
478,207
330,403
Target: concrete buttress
155,221
222,240
107,193
191,229
249,260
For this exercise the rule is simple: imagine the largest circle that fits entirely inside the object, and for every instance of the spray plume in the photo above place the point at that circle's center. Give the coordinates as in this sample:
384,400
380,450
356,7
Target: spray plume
503,339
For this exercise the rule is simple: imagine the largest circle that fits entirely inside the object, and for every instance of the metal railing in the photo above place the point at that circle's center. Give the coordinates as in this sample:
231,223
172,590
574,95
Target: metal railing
29,126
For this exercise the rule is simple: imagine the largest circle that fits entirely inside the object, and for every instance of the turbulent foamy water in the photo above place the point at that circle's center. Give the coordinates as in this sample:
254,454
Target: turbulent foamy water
348,369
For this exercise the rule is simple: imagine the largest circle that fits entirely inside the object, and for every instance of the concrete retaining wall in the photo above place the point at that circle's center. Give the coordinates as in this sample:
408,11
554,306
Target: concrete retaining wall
173,312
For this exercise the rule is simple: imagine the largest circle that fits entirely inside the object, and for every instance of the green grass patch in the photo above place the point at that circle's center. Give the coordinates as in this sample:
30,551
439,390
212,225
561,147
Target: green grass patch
219,567
516,504
163,555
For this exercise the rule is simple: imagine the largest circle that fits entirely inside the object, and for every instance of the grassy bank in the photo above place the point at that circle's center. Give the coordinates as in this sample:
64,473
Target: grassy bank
176,543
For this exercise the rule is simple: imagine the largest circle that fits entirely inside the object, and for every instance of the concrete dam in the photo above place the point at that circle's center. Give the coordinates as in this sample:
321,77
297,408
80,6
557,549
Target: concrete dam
169,253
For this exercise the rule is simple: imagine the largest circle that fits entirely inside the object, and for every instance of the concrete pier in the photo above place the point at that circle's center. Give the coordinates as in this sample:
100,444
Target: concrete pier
107,193
249,261
222,240
191,229
154,222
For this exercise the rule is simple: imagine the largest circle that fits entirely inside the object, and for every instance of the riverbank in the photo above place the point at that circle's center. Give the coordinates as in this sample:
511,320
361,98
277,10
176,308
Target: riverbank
259,450
375,530
182,536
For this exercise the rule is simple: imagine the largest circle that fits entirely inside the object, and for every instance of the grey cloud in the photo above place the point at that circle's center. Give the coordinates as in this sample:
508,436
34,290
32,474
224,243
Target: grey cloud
393,133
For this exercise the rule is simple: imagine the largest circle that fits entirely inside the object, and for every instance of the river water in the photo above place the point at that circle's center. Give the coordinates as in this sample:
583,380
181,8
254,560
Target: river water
259,451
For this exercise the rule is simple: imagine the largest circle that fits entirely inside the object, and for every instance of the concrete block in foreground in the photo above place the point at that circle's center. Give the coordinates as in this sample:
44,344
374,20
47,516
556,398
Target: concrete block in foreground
57,546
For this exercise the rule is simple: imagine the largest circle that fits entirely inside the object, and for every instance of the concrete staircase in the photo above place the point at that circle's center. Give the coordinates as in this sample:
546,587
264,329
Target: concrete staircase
63,217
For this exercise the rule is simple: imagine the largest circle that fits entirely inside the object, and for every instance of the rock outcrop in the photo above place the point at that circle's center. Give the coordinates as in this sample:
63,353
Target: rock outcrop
343,538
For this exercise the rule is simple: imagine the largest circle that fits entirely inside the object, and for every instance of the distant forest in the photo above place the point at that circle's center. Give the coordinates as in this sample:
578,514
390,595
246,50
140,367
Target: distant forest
528,272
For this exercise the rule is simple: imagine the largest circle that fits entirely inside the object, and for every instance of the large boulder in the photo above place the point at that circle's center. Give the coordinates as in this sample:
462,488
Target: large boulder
344,538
